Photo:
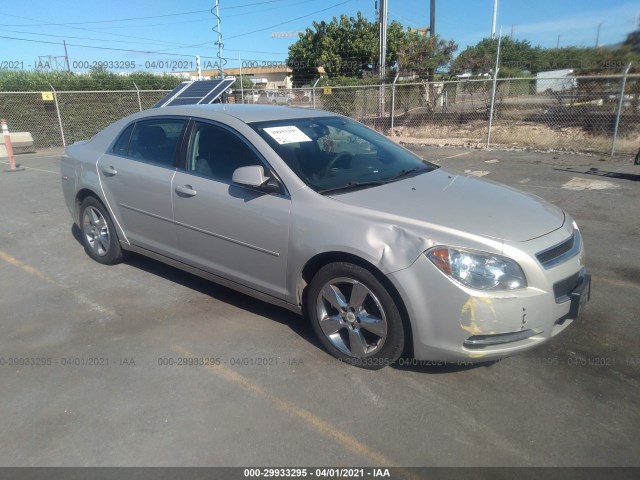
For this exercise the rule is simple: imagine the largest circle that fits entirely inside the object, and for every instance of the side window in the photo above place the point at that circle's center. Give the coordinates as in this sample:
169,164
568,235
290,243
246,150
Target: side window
216,152
156,140
121,147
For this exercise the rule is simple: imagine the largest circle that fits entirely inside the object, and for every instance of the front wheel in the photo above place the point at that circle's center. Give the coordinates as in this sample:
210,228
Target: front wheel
354,316
98,233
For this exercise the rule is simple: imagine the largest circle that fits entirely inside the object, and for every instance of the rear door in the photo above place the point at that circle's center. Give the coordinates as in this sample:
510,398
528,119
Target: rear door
136,177
232,231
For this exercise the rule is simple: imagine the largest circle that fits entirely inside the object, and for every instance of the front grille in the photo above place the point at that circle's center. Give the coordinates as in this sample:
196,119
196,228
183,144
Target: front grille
563,288
561,252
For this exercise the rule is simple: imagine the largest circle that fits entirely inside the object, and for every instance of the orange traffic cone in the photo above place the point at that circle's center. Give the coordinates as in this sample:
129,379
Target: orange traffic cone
7,143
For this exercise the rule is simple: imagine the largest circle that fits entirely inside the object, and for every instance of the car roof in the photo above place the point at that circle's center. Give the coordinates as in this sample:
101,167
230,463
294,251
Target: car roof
244,113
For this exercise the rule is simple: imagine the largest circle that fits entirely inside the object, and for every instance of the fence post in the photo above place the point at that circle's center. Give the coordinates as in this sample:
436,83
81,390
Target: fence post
55,99
313,92
620,104
138,93
393,100
493,93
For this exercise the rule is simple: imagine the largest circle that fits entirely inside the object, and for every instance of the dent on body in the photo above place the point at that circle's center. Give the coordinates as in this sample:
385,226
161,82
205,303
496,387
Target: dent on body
395,247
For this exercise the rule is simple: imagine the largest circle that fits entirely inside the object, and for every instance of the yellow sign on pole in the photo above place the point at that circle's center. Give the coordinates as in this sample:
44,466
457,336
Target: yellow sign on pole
47,96
327,90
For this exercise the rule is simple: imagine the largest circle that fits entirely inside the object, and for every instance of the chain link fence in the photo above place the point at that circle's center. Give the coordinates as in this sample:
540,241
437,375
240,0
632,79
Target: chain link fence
587,114
563,113
65,117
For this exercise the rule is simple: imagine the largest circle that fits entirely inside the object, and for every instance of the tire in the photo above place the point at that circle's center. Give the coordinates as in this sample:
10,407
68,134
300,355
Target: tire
99,236
354,316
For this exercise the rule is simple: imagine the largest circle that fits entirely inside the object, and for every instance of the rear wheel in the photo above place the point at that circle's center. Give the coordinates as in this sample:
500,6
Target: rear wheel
98,233
354,316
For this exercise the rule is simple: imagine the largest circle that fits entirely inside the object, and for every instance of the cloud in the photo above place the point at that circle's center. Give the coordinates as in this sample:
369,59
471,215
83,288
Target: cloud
582,22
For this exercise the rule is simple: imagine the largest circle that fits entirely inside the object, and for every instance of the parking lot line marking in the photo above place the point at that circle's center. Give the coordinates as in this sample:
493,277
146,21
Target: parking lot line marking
315,422
26,268
80,298
38,169
456,155
618,283
44,156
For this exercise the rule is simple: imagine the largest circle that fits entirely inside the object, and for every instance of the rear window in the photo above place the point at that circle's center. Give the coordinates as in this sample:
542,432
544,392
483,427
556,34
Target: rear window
121,147
153,140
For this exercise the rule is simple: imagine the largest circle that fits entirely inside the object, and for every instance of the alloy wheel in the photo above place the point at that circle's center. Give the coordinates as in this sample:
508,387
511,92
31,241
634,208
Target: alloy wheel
351,317
96,231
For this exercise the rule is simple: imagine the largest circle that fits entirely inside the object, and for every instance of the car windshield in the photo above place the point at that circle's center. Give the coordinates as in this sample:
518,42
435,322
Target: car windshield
333,153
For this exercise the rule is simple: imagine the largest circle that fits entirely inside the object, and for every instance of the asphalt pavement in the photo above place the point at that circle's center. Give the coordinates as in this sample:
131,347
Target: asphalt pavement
141,364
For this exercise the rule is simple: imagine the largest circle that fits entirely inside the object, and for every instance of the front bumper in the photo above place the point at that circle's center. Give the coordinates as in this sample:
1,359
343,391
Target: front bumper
456,324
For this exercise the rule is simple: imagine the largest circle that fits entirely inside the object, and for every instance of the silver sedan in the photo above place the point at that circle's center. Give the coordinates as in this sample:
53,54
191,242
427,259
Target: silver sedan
385,253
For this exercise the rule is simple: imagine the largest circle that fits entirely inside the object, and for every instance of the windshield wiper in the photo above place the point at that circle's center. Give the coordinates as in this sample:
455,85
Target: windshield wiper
353,186
405,173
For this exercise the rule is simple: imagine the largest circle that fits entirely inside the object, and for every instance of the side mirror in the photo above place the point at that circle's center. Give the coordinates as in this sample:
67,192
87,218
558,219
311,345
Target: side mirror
253,176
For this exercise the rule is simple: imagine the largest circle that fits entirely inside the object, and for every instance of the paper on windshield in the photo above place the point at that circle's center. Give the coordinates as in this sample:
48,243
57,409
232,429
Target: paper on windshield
284,135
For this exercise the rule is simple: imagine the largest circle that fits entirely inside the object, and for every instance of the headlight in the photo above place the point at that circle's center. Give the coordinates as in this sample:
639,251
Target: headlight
483,271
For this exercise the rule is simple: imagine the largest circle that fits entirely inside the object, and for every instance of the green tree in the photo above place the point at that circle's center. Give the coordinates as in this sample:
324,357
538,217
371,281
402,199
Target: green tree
515,57
348,47
419,54
96,79
242,82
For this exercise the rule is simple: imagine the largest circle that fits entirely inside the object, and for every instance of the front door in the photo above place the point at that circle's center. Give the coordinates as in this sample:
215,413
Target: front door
232,231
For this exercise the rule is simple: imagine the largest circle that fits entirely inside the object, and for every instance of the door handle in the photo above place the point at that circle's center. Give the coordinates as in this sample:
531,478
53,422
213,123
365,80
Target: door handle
109,171
186,191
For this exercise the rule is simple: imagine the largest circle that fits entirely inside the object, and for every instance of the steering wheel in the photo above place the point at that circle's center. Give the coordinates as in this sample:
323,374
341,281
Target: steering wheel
344,157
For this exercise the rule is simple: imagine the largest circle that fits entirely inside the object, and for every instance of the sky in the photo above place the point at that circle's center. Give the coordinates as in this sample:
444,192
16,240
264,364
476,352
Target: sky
134,35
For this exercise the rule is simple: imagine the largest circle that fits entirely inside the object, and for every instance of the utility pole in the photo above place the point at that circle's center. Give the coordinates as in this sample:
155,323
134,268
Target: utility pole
382,60
432,32
495,18
432,19
558,42
66,55
598,35
511,36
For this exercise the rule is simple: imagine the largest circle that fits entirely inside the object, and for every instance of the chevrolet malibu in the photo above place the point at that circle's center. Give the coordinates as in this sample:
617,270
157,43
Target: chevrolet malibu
383,252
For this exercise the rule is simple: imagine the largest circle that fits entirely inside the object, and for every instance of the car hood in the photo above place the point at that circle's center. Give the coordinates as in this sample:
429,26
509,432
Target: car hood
465,203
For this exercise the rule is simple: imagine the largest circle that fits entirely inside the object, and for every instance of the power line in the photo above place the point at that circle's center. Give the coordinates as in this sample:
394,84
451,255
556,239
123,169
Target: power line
117,49
258,30
178,45
79,38
207,20
112,34
93,46
96,21
289,21
252,4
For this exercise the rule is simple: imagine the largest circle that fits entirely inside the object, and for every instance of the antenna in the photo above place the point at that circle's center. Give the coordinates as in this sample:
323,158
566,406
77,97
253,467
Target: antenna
215,11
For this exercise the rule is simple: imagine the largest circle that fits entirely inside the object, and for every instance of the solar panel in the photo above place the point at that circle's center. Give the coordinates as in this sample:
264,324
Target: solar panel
196,92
